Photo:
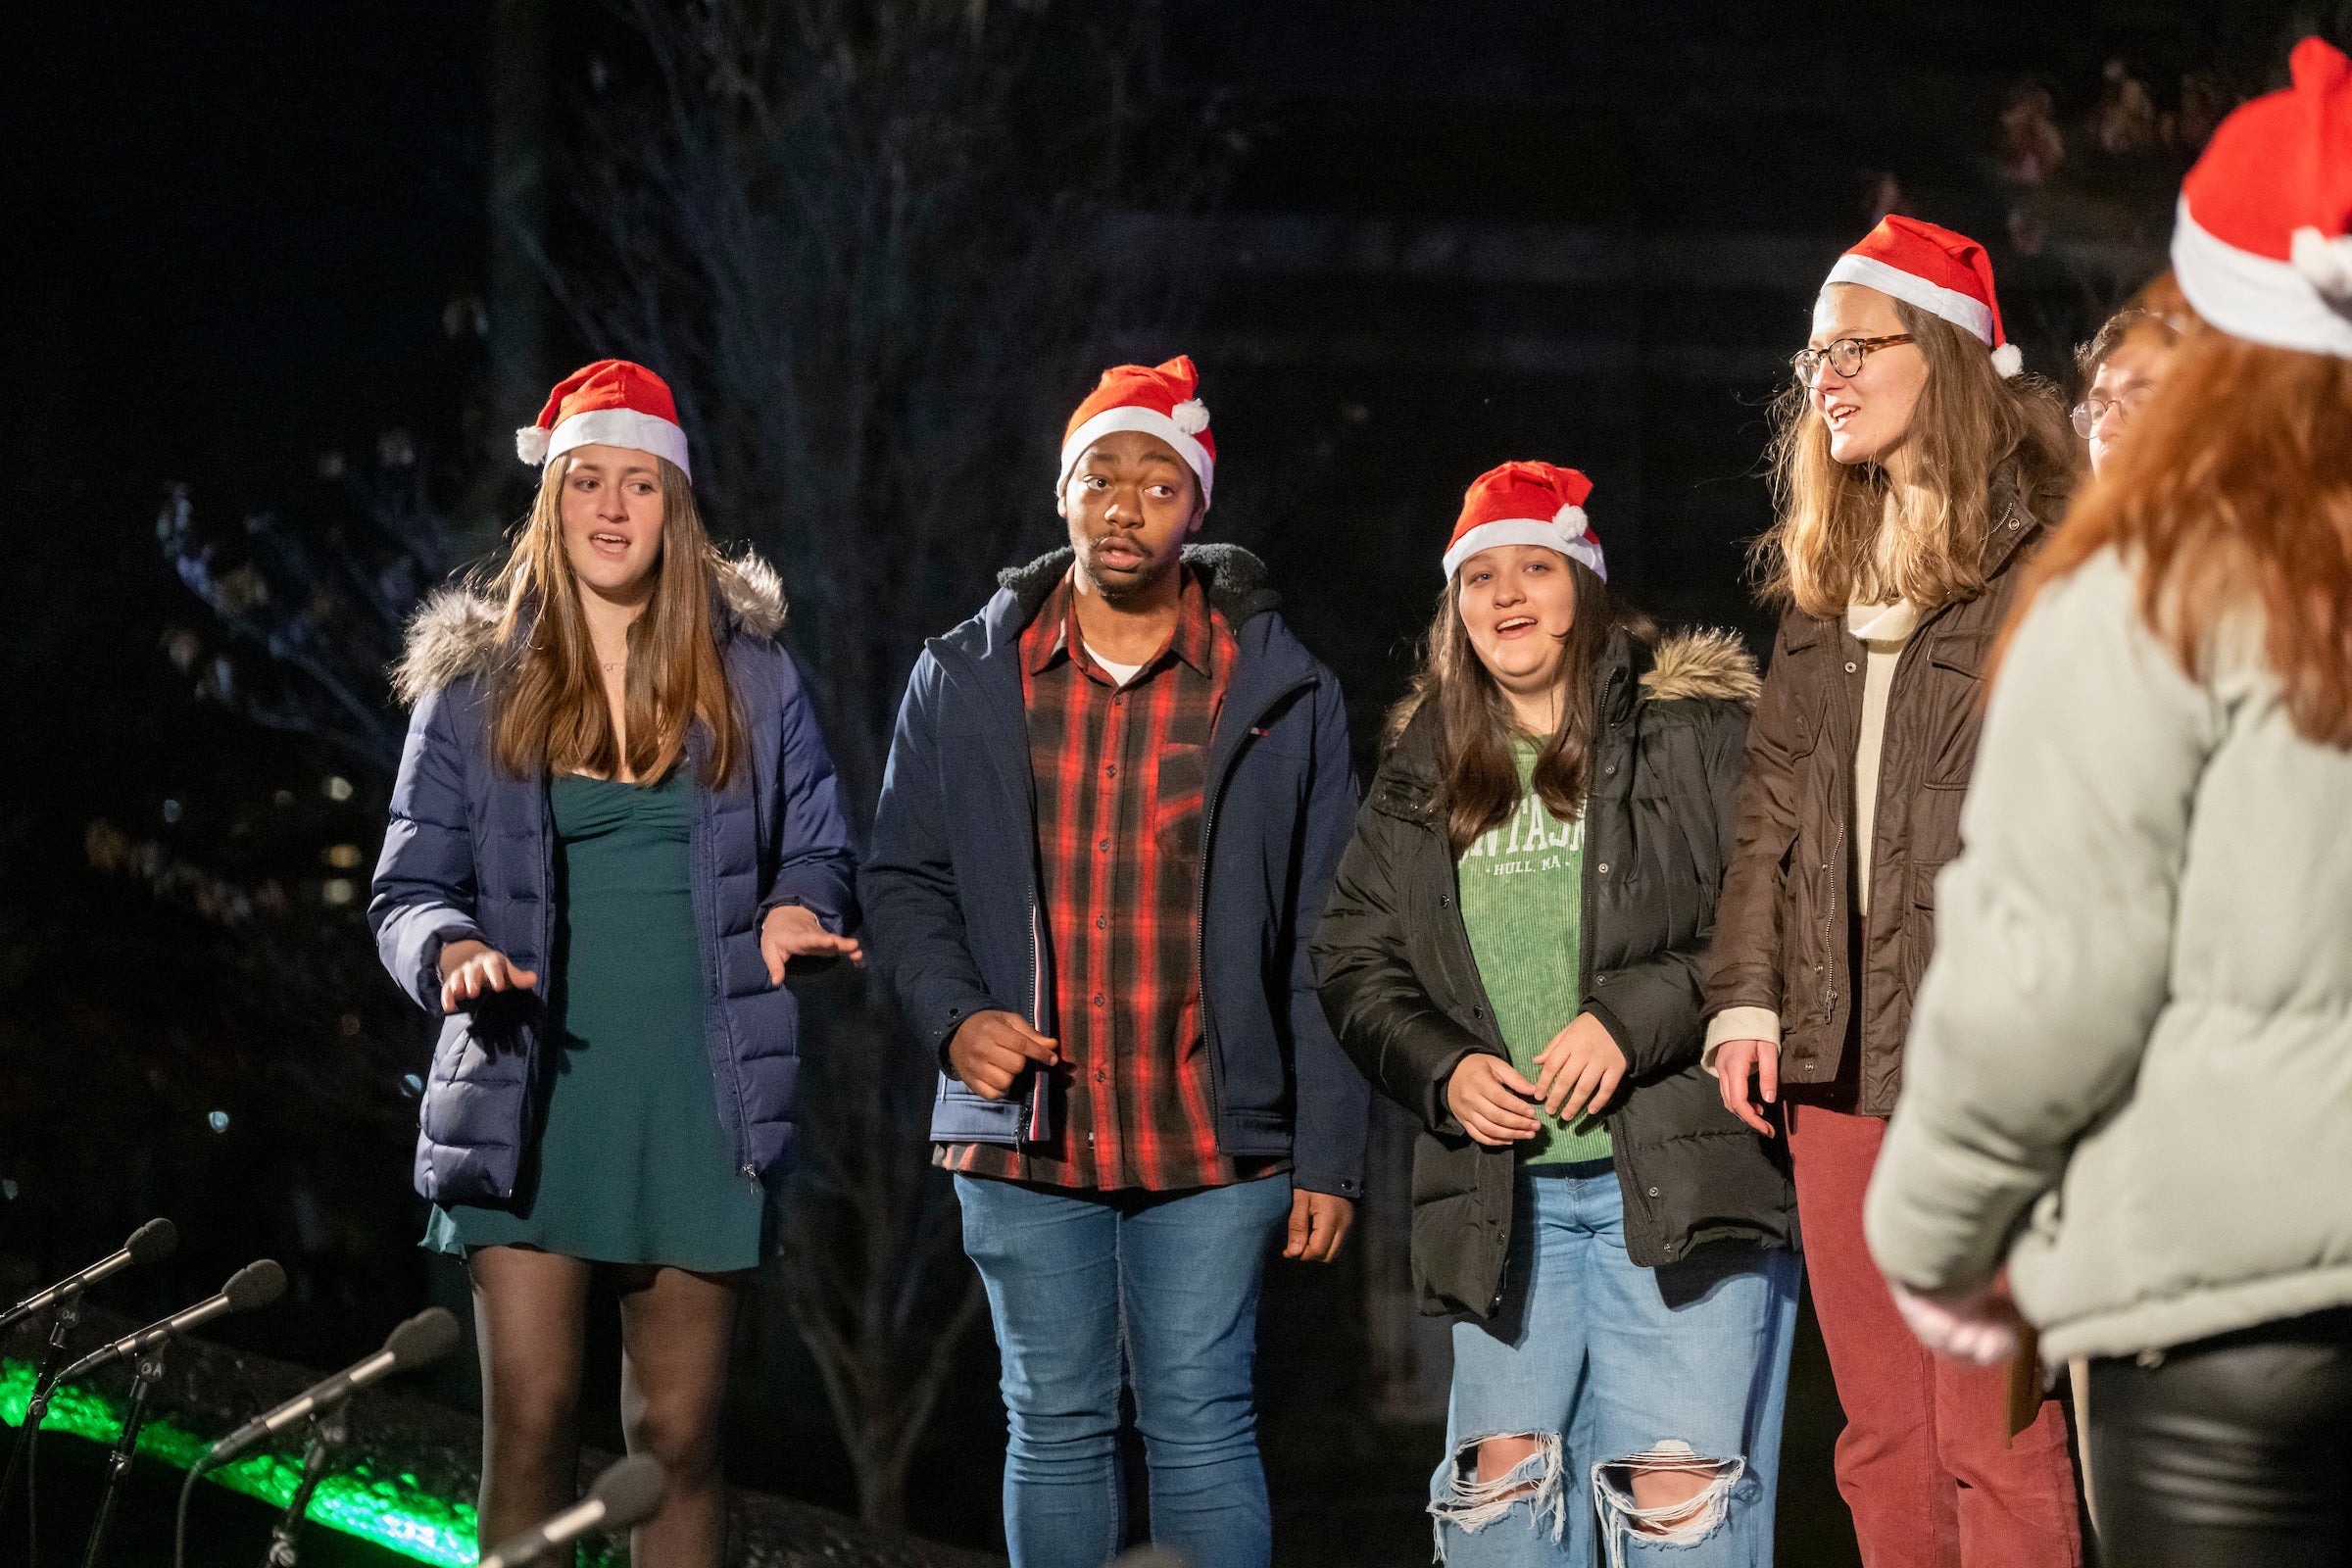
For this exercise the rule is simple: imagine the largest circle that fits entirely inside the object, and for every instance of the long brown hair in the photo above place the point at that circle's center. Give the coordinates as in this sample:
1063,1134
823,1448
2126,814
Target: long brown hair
548,705
1824,550
1477,767
2234,493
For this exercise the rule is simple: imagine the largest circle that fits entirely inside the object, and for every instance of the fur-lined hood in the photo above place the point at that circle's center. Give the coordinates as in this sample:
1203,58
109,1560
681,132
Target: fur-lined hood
1706,663
453,632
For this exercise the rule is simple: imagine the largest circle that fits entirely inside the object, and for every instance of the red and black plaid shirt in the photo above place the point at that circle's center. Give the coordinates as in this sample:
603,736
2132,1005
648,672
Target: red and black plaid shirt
1120,775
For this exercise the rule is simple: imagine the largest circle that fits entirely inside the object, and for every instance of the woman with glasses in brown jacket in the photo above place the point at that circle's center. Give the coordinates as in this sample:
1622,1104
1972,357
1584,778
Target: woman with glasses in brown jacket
1913,475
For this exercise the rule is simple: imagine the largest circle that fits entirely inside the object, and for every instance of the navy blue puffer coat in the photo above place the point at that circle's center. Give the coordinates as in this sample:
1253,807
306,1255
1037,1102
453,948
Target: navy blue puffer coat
471,853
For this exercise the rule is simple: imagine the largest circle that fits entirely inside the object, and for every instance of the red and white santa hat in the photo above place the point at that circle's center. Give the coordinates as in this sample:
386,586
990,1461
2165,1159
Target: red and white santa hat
1158,399
2260,248
1944,273
611,402
1527,503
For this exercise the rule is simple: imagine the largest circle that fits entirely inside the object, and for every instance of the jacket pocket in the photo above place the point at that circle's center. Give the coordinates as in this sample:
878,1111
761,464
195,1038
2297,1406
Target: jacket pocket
1919,925
1955,706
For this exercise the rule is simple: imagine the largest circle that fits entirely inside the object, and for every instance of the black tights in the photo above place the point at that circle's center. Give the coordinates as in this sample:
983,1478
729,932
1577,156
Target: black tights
2230,1451
530,1311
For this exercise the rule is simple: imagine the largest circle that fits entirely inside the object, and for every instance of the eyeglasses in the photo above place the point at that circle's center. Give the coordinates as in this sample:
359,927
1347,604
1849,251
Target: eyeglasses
2088,413
1845,356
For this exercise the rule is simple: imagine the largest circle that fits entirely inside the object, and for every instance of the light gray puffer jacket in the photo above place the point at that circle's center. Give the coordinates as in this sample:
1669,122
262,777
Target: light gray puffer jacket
2131,1067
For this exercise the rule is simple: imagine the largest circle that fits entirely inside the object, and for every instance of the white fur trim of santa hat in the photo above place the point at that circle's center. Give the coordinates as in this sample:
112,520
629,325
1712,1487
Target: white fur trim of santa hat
1179,429
1566,532
2303,304
604,428
1970,315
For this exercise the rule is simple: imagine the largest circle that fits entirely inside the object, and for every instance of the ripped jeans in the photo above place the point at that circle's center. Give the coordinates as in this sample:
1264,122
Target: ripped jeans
1613,1369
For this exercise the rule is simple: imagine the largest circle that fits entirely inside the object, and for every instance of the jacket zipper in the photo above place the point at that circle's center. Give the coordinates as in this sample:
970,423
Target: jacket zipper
1214,792
705,925
547,972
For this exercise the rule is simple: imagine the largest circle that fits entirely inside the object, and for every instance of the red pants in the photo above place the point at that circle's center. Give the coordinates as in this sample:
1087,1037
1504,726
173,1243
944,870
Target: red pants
1924,1462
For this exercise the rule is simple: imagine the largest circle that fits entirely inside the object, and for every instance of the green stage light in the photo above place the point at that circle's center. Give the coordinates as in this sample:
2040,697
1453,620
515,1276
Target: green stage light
390,1510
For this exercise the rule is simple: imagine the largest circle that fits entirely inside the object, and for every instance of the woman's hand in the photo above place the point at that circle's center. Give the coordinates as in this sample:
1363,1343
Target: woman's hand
1975,1326
1490,1101
1735,1060
793,931
468,968
1581,1068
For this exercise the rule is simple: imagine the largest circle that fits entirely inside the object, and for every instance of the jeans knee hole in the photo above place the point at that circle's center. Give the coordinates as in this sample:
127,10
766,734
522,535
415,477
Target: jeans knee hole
1680,1522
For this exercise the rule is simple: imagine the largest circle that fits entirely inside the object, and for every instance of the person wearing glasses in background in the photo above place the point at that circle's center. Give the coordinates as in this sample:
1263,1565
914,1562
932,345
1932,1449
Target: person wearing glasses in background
1913,472
2121,367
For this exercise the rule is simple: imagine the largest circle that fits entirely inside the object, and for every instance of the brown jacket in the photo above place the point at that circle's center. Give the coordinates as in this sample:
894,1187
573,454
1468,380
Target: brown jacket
1781,932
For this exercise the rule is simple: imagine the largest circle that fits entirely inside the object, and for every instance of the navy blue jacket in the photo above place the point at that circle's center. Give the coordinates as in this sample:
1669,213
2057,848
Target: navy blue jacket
471,853
952,885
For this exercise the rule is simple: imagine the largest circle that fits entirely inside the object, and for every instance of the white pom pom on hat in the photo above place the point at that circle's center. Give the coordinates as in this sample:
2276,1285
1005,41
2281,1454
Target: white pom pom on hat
531,444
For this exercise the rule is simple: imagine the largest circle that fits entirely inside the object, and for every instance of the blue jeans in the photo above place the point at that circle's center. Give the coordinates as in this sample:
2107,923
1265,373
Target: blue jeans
1166,1283
1614,1369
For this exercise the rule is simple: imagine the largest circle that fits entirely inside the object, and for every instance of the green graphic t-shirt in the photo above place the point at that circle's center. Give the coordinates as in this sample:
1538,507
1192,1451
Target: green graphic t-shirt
1523,900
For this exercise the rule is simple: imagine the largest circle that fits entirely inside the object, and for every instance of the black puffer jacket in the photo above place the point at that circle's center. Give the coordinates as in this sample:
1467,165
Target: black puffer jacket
1403,993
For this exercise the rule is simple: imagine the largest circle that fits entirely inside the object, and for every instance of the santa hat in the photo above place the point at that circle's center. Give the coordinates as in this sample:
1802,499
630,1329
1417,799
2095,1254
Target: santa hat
1527,503
1159,401
611,402
1944,273
2260,248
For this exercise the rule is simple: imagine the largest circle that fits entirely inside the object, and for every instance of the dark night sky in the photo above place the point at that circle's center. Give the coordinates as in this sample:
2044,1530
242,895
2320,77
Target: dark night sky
232,228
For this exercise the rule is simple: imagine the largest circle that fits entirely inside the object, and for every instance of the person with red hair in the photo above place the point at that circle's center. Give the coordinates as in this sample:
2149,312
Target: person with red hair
2131,1065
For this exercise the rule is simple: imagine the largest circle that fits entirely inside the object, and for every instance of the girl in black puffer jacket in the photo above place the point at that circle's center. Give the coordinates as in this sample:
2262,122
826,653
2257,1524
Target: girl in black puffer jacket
1512,951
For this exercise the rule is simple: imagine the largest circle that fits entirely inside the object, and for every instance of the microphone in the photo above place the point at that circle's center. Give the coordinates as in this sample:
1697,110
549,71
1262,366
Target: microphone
254,1285
151,1242
621,1496
419,1341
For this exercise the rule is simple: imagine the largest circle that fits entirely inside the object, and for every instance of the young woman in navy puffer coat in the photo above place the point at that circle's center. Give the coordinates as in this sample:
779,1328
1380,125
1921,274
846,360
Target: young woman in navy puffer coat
614,825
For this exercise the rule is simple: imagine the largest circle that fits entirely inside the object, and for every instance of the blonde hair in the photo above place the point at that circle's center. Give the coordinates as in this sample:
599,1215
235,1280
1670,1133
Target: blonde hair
1825,548
548,700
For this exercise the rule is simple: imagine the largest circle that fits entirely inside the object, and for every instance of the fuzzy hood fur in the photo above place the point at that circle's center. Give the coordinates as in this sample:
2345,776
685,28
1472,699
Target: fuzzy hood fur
455,630
1705,663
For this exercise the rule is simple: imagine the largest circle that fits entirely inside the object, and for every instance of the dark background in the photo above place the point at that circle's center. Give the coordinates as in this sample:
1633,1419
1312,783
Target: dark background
251,257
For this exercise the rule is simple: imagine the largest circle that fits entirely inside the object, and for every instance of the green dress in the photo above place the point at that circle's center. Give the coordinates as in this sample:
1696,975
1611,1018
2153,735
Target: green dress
632,1164
1523,888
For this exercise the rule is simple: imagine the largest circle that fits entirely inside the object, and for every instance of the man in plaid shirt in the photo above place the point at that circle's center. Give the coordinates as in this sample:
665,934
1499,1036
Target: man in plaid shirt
1113,806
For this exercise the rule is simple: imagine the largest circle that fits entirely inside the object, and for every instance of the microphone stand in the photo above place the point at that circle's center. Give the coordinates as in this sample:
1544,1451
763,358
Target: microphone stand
330,1431
44,1385
118,1464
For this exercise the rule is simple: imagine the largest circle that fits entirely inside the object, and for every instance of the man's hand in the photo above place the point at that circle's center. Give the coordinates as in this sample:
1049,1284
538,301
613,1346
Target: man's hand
468,968
1490,1101
1319,1223
793,931
1735,1060
990,1051
1581,1068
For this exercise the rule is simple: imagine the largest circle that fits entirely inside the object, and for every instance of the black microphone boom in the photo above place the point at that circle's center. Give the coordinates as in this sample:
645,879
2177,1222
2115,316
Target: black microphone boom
151,1242
419,1341
623,1495
254,1285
